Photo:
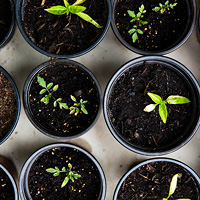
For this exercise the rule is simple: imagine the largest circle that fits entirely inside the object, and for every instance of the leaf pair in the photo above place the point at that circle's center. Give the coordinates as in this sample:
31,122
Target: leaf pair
173,99
164,7
70,175
74,109
173,186
74,9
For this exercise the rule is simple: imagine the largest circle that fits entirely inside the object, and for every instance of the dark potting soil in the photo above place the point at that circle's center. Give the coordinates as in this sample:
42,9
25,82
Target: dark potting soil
6,187
5,18
162,30
129,97
8,106
71,81
63,34
43,185
152,181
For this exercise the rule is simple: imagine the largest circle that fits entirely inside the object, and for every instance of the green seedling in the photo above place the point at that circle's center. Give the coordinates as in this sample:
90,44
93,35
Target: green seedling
173,186
50,88
75,108
73,9
164,7
173,99
70,175
137,18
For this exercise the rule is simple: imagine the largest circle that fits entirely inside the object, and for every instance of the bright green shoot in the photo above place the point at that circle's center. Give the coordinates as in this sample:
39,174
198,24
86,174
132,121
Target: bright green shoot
173,99
137,18
70,175
173,186
164,7
73,9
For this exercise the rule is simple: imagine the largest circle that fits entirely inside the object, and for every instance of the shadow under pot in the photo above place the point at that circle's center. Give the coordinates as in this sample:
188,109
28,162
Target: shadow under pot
162,84
151,27
62,99
62,171
154,178
10,105
8,187
7,21
66,33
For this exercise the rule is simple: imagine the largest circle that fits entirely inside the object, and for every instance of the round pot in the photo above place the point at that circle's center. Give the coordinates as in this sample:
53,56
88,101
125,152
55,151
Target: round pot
20,19
12,24
184,35
18,106
24,188
76,87
6,173
147,164
159,148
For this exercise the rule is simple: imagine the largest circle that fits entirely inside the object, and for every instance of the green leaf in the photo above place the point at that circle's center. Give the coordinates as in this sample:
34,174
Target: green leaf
43,100
133,20
150,107
41,82
138,15
163,112
156,9
139,31
131,13
66,3
70,173
77,110
156,98
175,99
162,11
78,2
56,174
57,10
55,103
84,110
76,176
72,110
73,98
134,37
55,88
63,105
43,91
51,170
167,2
57,168
88,19
76,9
64,169
132,31
49,86
144,22
70,165
59,99
84,102
160,4
46,99
66,180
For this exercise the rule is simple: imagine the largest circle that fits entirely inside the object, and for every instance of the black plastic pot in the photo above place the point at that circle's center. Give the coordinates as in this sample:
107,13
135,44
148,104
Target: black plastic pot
26,102
19,18
184,166
23,180
182,39
18,105
193,85
12,26
8,167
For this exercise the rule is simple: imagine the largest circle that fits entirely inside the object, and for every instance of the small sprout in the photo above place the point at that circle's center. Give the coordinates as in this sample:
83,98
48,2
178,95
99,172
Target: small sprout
164,7
172,99
74,9
74,109
173,186
70,175
137,18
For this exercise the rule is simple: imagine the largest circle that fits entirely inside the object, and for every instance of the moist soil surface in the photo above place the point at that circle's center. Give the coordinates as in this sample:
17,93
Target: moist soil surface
43,185
63,35
71,81
162,30
128,98
6,187
5,18
7,104
152,181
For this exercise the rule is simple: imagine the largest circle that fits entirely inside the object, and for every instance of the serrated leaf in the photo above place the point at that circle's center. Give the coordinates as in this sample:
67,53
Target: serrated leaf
70,165
131,13
139,31
41,82
76,9
49,86
66,3
66,180
55,103
78,2
176,99
156,98
150,107
84,110
43,91
51,170
57,10
55,88
56,174
87,18
134,37
163,112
